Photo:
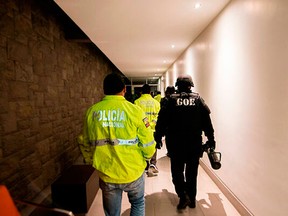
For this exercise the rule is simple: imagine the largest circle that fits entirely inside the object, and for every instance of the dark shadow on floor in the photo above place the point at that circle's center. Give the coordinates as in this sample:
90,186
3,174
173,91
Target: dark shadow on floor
215,207
152,199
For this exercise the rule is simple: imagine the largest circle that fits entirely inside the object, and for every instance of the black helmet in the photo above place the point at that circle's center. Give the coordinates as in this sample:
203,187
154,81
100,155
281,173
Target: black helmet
184,80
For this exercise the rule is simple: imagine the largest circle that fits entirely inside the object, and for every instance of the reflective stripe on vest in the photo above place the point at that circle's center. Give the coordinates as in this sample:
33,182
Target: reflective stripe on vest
148,144
119,142
115,142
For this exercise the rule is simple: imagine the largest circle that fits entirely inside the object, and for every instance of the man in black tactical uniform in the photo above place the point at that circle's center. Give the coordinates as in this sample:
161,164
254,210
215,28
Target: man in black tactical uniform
182,121
168,92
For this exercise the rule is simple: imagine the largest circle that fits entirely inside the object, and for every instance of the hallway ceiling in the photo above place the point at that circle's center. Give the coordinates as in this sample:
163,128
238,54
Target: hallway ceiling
142,38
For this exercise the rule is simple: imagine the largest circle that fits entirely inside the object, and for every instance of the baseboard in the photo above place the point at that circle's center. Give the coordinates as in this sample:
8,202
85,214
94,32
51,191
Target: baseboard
238,205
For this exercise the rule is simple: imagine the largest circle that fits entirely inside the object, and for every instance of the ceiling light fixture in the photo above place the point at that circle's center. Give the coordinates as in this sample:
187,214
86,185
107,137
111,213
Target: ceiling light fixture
173,46
197,5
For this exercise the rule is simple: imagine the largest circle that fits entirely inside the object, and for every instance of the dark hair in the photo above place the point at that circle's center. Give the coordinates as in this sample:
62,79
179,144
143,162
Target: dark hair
146,89
170,90
113,84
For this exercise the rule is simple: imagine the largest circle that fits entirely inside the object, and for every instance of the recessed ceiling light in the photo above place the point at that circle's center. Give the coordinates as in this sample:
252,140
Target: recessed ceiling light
164,61
173,46
197,5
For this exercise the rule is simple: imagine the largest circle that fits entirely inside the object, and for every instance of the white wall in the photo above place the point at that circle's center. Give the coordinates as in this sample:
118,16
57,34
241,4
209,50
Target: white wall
239,65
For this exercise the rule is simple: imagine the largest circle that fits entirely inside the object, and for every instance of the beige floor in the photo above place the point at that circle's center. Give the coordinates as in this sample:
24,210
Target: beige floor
161,199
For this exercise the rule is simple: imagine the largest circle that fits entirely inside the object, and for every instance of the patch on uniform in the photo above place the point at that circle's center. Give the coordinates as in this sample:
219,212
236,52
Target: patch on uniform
146,122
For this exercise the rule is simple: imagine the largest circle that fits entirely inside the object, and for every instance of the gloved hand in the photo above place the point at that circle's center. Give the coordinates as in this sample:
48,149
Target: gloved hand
159,144
205,147
158,140
211,144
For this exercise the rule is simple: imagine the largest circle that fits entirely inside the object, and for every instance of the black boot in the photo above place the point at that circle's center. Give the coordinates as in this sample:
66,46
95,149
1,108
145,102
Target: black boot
192,203
183,203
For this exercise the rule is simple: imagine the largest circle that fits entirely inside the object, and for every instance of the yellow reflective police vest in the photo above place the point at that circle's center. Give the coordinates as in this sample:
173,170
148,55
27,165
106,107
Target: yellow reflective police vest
86,152
158,97
121,135
151,108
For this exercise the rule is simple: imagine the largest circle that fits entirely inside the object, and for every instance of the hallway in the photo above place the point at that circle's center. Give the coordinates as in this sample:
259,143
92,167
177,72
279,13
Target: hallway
161,199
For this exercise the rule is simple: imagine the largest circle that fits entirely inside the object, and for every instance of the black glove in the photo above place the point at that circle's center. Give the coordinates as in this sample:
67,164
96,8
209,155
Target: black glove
159,145
158,140
205,147
211,144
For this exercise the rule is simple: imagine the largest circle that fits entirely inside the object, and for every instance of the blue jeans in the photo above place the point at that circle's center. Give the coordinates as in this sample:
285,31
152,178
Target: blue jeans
112,197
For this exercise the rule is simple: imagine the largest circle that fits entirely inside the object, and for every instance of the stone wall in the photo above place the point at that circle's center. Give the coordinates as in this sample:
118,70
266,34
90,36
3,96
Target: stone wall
46,84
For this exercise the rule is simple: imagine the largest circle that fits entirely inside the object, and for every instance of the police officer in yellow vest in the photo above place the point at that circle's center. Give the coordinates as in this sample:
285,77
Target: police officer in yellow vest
119,134
151,108
158,96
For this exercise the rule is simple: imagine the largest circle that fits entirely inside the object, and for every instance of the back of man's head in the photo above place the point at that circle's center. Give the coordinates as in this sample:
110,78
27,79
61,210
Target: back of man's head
146,89
113,84
170,90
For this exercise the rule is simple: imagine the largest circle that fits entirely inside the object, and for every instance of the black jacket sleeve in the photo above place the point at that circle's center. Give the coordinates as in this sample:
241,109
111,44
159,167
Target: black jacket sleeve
207,126
161,124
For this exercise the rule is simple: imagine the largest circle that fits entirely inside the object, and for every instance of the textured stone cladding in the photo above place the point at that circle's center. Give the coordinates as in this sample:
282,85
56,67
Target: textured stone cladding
46,85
